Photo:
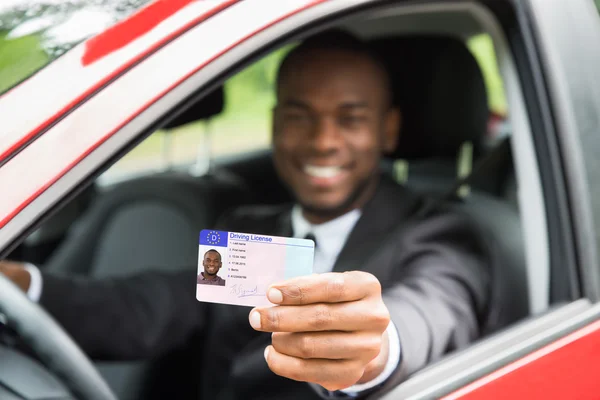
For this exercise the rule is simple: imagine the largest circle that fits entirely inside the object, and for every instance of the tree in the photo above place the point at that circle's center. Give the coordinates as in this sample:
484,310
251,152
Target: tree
28,38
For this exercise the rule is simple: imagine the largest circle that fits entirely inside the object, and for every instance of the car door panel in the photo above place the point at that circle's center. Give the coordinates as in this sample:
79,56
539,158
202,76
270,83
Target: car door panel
496,352
564,369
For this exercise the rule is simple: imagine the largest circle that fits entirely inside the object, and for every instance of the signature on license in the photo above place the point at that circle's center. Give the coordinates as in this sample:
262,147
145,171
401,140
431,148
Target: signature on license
241,291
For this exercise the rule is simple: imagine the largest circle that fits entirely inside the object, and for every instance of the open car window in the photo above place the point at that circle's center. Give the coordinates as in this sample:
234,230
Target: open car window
244,125
33,33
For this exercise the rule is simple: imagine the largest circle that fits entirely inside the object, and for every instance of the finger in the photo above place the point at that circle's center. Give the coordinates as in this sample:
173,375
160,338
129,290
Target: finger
329,345
333,287
352,316
331,374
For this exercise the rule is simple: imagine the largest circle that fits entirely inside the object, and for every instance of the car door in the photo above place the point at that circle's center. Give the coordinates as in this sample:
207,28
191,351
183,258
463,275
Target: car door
554,355
173,60
561,41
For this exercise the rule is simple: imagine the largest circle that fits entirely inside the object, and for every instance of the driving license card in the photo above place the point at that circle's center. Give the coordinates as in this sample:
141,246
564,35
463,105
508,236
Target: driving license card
237,268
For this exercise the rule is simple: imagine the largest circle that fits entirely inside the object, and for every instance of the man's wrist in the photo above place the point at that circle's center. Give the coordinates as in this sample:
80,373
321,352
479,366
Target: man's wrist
392,362
34,292
394,359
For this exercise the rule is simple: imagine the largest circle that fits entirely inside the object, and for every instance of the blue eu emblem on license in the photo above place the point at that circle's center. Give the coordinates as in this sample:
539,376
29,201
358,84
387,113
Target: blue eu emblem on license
213,238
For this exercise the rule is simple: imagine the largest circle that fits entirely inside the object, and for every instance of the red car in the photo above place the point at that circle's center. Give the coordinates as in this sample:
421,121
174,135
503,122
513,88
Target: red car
140,126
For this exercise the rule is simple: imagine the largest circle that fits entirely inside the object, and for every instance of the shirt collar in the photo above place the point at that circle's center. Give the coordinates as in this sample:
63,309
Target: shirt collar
204,278
330,236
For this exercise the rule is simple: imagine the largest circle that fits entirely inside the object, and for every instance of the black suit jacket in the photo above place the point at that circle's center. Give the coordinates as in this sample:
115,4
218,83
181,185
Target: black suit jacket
433,266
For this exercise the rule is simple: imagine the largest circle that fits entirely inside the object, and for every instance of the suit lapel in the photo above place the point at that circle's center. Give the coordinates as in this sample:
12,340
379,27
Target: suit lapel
283,224
391,205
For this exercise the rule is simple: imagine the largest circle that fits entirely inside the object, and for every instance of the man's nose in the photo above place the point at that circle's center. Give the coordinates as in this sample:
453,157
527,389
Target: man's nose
326,135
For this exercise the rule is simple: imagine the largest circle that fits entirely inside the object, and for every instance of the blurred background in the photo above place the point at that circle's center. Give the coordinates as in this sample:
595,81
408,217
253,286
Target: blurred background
33,33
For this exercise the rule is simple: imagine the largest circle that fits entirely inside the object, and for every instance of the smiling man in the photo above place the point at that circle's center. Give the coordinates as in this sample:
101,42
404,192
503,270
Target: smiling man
395,287
331,126
212,264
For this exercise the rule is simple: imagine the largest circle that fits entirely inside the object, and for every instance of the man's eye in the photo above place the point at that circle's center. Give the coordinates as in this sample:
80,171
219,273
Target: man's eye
348,120
296,117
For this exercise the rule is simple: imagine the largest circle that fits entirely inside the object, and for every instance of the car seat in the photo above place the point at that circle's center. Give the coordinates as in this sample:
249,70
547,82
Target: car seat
440,90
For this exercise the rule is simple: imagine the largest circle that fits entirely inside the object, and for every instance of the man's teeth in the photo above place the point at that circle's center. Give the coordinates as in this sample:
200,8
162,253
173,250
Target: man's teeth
322,172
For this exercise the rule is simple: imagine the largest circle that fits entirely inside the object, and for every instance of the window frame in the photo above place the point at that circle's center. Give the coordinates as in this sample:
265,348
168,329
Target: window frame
570,85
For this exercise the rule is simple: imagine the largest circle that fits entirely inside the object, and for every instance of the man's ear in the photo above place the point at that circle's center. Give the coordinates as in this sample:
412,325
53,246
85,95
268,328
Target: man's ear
393,121
273,122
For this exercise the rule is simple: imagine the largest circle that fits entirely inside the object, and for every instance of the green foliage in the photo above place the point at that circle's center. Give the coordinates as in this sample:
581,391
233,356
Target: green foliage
482,48
249,99
252,91
19,58
249,93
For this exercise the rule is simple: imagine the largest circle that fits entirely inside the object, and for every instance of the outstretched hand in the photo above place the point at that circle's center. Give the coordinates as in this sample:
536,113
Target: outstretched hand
328,329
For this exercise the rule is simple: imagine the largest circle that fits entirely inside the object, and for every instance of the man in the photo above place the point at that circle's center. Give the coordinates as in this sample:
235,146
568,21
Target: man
377,256
212,264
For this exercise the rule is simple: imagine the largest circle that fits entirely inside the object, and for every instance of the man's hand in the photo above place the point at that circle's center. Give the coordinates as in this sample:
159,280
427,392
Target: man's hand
16,273
328,329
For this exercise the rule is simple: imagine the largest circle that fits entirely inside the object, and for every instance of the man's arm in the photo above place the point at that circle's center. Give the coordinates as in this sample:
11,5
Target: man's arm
443,292
128,318
327,328
118,319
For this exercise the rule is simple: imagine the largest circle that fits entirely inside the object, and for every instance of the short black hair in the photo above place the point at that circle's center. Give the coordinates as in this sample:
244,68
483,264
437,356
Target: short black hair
214,251
335,40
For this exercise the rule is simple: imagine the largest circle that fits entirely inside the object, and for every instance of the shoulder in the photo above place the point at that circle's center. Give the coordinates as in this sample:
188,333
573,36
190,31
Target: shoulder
449,224
424,224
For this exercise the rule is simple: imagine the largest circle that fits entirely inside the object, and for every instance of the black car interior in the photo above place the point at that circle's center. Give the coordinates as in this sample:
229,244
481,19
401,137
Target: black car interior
151,222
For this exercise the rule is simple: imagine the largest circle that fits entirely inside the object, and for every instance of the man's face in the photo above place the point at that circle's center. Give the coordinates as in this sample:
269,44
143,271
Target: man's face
211,263
331,125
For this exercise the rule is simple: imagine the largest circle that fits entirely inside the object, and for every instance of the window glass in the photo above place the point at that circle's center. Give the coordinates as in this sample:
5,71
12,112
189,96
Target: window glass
35,32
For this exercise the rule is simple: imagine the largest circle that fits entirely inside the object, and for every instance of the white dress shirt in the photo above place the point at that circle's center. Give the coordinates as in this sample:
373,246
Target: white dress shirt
35,283
330,238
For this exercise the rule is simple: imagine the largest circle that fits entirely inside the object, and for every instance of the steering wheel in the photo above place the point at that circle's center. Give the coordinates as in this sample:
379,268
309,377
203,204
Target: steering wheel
52,344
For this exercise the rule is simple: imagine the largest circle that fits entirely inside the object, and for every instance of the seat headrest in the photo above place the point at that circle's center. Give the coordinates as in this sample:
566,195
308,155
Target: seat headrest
208,106
440,90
